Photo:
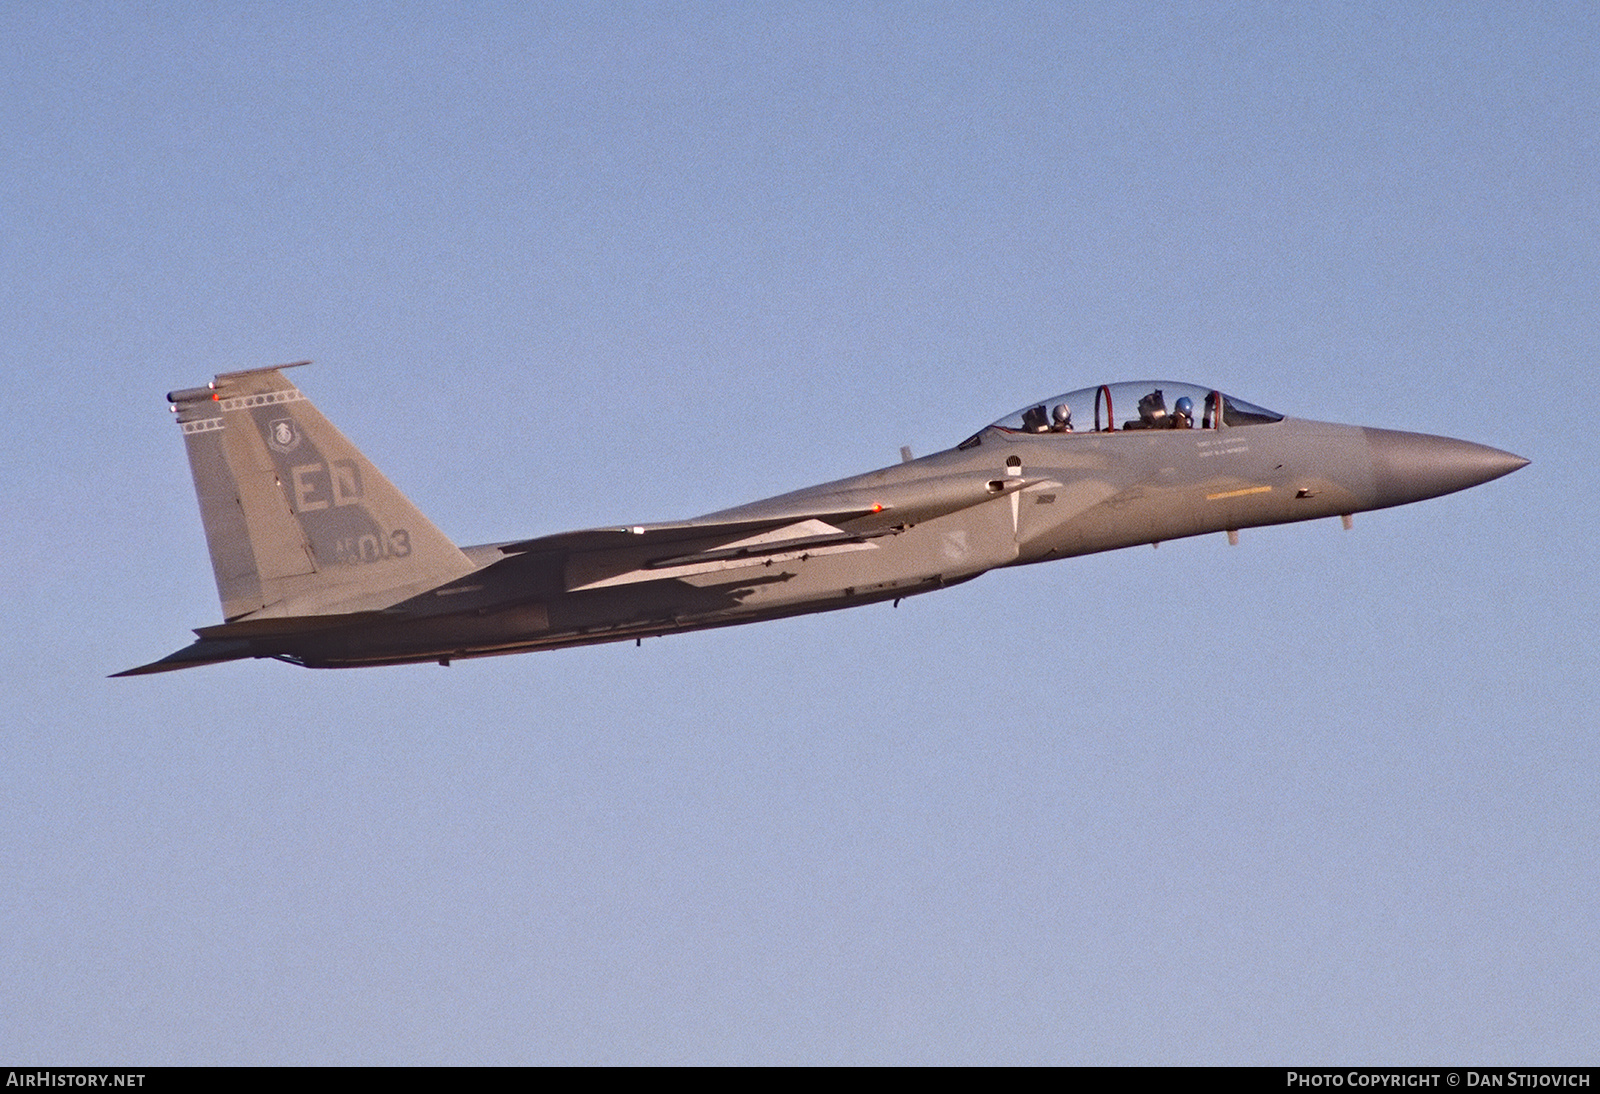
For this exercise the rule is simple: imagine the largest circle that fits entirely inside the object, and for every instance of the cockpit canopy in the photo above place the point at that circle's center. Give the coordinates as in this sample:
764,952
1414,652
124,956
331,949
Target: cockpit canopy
1140,404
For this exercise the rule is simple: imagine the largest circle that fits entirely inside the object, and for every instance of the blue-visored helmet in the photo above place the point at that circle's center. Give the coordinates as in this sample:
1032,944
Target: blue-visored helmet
1185,406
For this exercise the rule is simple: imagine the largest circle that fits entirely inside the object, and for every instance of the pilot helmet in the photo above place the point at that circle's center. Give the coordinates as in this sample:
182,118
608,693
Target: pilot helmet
1062,414
1185,406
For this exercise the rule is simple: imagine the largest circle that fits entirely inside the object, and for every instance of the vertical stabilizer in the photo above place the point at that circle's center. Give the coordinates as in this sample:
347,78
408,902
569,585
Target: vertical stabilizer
299,522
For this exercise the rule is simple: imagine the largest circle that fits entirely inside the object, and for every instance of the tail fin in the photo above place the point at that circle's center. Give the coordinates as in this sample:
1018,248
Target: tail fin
299,522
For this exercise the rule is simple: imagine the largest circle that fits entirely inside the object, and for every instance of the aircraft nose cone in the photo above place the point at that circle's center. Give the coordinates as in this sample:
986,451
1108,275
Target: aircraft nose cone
1408,467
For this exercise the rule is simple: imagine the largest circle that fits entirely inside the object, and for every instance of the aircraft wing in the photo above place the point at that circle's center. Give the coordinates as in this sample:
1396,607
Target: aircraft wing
794,527
663,535
894,505
724,549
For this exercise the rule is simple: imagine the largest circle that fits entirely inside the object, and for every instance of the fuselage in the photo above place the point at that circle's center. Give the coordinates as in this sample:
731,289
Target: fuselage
320,561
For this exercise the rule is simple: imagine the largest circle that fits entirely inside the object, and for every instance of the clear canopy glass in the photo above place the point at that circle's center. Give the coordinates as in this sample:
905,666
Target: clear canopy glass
1139,404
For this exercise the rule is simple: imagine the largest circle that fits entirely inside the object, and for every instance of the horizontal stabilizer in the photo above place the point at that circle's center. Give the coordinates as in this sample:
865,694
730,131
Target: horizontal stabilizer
207,651
243,638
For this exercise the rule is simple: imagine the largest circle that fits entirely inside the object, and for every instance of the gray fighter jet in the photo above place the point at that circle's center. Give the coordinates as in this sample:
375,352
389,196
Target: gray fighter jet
321,562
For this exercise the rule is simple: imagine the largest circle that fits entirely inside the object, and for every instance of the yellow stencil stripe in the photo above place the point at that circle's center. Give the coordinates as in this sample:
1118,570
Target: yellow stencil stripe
1239,493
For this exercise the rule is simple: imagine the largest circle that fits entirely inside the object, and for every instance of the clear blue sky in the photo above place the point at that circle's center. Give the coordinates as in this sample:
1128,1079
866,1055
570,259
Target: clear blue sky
1323,796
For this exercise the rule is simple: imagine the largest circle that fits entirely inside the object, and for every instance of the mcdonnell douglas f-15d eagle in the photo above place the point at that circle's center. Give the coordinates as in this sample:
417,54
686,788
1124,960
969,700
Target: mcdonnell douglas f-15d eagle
321,562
